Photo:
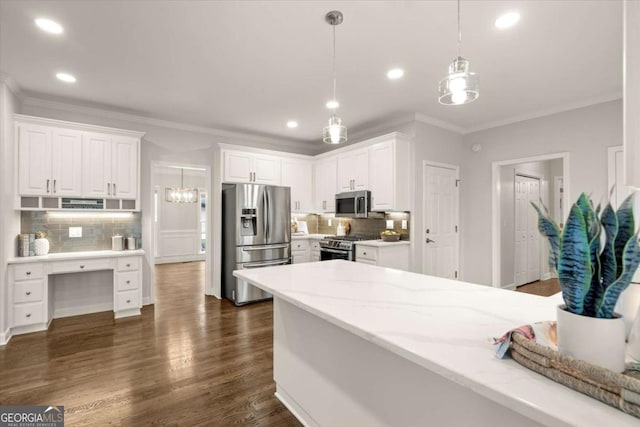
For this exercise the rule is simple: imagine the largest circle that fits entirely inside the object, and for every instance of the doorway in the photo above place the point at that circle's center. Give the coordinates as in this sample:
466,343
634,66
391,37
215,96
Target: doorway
440,209
519,254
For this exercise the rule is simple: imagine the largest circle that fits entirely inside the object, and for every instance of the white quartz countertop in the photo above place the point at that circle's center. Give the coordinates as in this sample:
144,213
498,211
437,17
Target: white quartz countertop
62,256
381,243
443,325
310,236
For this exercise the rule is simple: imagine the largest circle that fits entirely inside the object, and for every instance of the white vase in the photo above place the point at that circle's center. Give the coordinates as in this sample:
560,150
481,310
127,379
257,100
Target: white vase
597,341
41,246
628,305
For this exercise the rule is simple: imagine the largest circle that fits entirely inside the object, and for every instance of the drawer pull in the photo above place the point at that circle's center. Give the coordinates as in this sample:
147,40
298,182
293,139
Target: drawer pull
128,265
364,253
28,273
28,292
82,266
128,301
28,315
128,281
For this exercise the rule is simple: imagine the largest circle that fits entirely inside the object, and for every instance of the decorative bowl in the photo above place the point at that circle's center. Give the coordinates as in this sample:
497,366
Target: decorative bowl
390,237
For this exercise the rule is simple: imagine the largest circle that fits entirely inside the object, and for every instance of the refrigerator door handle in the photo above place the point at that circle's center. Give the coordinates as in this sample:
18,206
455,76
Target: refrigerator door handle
264,248
265,264
267,214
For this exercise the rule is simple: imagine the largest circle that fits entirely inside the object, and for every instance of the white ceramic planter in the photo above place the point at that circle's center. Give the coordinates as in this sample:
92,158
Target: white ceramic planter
597,341
628,305
41,246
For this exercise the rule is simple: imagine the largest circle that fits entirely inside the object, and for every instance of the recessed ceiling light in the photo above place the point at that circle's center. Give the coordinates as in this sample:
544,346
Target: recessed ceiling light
49,26
292,124
332,104
507,20
396,73
66,77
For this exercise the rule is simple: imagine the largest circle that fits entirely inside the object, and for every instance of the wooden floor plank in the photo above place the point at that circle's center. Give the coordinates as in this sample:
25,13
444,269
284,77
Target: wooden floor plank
188,360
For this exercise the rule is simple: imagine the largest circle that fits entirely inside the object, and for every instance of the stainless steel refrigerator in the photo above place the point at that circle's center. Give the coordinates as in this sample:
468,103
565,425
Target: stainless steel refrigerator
256,232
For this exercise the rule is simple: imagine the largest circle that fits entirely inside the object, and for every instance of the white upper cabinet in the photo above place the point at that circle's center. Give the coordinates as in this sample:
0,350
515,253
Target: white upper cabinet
389,174
326,184
124,167
49,161
353,170
96,161
110,166
297,174
632,92
244,166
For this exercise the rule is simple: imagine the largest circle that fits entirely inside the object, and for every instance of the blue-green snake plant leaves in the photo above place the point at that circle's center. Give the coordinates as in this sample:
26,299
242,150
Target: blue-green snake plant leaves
593,270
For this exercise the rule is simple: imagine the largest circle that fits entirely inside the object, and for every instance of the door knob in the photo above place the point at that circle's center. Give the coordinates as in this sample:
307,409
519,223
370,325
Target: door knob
428,240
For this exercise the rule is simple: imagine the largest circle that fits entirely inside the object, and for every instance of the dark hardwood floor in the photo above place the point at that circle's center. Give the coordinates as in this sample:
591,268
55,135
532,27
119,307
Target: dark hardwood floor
189,360
543,288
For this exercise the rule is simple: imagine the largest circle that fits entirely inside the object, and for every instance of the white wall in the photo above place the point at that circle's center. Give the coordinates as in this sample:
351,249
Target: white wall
9,218
584,133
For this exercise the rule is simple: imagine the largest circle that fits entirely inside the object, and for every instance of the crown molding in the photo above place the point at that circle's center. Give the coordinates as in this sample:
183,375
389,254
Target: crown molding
133,118
11,83
547,112
423,118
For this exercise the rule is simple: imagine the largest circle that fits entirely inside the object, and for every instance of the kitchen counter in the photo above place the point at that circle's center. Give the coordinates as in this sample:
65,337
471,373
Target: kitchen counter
62,256
379,243
310,236
356,344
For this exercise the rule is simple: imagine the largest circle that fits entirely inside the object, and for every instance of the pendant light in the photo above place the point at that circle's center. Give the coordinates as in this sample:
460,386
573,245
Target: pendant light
181,195
460,86
335,132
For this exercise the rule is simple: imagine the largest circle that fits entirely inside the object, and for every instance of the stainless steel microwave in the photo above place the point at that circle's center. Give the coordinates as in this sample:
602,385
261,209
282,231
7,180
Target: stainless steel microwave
353,204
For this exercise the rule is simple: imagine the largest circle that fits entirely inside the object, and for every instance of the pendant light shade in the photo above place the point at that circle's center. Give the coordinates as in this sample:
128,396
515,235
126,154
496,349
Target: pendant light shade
460,86
335,132
181,195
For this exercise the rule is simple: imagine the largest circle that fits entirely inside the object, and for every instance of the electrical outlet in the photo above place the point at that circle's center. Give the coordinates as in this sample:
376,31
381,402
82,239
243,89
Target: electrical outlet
329,222
389,224
75,231
404,224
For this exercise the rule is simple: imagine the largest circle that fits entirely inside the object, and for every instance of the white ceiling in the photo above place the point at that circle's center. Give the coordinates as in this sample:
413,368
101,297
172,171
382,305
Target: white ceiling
250,66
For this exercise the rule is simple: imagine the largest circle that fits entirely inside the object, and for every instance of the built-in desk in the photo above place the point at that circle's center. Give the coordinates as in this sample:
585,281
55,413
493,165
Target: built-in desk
30,303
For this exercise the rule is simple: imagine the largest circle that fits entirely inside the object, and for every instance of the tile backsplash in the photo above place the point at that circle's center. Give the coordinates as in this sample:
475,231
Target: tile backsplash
96,232
359,226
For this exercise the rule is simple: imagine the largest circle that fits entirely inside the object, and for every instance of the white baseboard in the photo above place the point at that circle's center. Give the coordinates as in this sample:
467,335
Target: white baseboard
87,309
510,286
185,258
301,415
546,276
5,337
146,301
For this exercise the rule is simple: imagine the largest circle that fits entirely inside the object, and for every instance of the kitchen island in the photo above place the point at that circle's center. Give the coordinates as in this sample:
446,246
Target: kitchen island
356,344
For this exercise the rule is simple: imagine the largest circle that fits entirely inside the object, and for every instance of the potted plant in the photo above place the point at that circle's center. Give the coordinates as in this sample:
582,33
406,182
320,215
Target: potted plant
595,256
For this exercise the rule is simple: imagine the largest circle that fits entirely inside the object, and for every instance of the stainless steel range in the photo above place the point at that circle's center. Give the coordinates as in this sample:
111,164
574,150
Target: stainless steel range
341,247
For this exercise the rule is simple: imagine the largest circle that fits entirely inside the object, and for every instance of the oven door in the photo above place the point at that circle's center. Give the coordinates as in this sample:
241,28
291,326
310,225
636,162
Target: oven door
327,254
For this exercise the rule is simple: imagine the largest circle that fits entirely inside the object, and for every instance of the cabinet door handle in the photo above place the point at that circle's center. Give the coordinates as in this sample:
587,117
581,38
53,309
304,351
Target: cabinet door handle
28,273
114,188
28,315
28,293
82,266
128,301
48,180
364,253
128,265
128,281
54,186
108,188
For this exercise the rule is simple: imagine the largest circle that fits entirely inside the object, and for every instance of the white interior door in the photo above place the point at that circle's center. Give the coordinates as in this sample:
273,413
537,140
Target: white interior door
527,240
440,241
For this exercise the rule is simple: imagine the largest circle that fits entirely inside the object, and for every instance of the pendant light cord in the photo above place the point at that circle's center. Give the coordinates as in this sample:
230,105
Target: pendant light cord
459,30
334,68
181,179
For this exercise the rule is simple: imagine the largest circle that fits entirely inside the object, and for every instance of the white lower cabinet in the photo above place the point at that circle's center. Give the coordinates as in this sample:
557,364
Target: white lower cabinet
300,251
315,250
389,255
127,287
28,287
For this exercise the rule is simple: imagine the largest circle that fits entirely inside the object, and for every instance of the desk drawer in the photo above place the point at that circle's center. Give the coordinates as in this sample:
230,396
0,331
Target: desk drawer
77,266
315,245
127,300
127,281
28,271
129,263
27,314
28,290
